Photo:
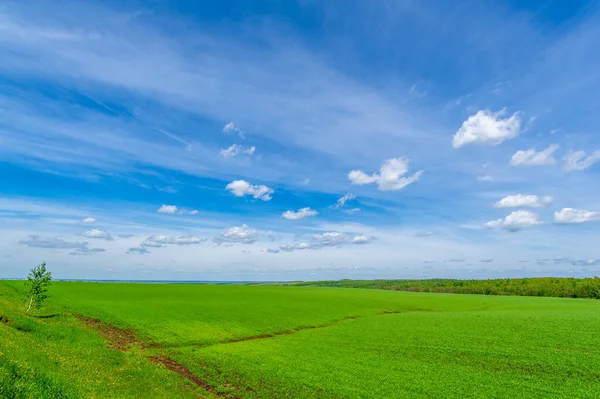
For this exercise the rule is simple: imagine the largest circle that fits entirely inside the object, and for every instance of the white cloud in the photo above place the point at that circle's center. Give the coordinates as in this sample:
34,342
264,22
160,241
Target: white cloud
521,201
236,149
351,211
574,216
515,221
361,239
88,220
333,238
36,241
232,128
578,160
138,251
359,178
79,248
389,177
487,127
300,214
535,158
240,188
87,251
340,203
97,233
322,240
170,209
486,178
242,234
295,247
162,241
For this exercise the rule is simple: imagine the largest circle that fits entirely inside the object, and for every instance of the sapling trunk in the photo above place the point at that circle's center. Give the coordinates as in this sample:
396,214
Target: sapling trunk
29,307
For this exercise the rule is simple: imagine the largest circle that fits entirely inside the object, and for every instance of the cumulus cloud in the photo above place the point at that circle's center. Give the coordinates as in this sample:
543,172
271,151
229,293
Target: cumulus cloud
332,238
172,210
235,149
579,160
390,176
295,247
232,128
515,221
361,239
575,216
487,127
138,251
359,178
341,202
240,188
532,157
163,241
522,201
300,214
242,234
79,248
97,233
89,220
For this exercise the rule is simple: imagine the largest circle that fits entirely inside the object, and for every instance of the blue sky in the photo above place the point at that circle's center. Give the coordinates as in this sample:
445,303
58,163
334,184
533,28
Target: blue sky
216,140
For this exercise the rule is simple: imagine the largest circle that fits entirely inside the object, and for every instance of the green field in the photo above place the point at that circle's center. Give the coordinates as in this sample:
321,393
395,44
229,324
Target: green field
295,342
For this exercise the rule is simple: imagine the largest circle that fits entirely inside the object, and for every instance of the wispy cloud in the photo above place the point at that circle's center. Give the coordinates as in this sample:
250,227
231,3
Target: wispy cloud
532,157
579,160
236,149
341,202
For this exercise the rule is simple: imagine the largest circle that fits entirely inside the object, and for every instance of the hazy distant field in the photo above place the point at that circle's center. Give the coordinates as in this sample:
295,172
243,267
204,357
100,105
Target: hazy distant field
271,341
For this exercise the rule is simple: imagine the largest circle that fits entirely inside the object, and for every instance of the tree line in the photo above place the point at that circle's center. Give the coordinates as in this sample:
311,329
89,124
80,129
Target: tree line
566,287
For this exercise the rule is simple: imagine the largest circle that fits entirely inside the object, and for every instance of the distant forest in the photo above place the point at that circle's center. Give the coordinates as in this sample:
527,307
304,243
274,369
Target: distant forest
544,286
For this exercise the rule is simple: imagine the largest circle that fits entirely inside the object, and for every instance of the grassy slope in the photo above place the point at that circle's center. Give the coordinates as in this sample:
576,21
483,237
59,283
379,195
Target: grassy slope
55,357
440,345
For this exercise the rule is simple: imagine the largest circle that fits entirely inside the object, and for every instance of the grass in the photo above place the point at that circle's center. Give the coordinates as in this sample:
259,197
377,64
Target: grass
304,342
56,357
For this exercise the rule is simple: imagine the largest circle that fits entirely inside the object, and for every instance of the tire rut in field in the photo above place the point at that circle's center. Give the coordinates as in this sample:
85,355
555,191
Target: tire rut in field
117,338
303,328
124,339
176,367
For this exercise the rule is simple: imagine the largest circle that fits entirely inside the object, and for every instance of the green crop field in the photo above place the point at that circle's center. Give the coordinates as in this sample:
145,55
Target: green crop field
254,341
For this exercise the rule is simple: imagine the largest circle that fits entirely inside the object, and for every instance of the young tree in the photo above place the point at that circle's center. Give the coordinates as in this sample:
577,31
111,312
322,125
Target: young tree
37,283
